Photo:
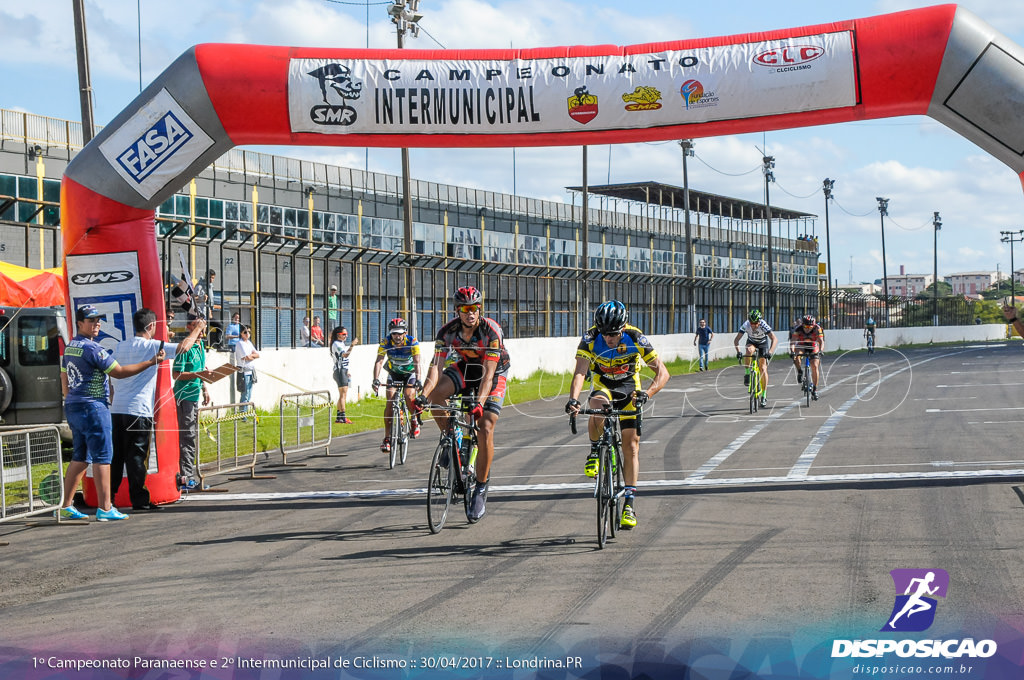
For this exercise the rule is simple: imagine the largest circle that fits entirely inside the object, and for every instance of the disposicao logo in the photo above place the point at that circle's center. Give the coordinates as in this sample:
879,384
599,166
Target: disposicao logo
914,610
916,589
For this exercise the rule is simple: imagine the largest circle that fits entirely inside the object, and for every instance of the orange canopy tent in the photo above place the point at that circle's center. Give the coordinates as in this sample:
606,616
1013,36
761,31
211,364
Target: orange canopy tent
25,287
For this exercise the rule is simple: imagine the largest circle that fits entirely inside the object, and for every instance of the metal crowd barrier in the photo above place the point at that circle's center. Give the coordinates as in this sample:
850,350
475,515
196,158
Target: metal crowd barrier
227,441
31,473
305,423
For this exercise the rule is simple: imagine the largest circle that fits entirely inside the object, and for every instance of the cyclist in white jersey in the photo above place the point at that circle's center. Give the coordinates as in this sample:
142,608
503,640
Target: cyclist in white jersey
761,338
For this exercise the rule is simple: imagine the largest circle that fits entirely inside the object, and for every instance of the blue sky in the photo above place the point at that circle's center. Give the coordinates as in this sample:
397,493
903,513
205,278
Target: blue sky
918,164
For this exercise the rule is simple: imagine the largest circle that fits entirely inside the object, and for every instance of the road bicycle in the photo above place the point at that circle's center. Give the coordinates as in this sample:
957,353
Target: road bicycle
452,471
871,343
757,390
805,383
609,489
401,421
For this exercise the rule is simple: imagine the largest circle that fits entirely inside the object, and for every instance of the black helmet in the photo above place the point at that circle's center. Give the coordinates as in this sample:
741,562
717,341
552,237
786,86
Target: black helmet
468,295
397,325
754,316
808,320
610,317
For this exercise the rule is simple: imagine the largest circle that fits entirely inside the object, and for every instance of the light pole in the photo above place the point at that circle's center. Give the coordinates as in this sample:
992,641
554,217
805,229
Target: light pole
1012,237
687,146
827,186
405,16
767,164
883,210
937,223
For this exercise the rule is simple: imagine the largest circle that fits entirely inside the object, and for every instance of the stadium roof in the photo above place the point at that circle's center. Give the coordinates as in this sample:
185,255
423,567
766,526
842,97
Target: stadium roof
668,195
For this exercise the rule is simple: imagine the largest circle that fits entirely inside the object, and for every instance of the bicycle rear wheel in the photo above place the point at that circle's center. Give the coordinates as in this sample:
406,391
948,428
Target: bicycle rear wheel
440,486
755,390
395,436
604,495
403,436
616,502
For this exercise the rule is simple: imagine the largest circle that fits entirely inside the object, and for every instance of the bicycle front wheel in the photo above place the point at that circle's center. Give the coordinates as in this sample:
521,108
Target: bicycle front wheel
807,385
604,495
440,486
755,388
396,437
403,435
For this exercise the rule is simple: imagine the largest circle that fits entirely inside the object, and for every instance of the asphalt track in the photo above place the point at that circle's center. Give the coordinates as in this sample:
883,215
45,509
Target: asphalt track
782,525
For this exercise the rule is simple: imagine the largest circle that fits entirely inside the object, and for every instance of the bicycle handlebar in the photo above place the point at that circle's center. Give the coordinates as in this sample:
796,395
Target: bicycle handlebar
606,412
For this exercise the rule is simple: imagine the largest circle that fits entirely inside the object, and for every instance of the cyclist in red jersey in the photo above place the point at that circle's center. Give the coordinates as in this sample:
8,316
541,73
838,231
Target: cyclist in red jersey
809,337
470,357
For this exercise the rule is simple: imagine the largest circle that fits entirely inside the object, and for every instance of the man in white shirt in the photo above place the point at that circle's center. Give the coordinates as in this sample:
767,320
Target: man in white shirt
131,411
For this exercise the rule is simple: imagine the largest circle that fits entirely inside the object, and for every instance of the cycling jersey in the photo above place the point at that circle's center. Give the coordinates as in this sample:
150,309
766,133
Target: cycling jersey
616,370
807,338
756,336
616,367
485,344
401,354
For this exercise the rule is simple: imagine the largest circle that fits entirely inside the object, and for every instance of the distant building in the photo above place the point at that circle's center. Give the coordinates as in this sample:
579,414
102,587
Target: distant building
972,283
908,285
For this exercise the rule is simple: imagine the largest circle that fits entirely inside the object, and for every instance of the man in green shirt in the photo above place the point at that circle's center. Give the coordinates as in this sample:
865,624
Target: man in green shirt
332,308
188,368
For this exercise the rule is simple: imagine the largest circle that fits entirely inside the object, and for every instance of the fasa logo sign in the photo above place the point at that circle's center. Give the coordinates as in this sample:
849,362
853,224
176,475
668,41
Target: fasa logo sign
102,277
154,146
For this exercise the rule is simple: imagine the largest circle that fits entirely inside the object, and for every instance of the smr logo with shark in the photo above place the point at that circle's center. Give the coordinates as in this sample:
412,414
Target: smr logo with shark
916,589
338,78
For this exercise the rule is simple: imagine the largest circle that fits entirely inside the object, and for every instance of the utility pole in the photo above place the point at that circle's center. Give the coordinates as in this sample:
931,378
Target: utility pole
687,146
883,210
937,223
405,16
84,84
767,164
585,264
827,187
1011,237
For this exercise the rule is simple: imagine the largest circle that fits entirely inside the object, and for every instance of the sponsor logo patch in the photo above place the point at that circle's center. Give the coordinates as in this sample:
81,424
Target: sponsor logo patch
643,98
582,106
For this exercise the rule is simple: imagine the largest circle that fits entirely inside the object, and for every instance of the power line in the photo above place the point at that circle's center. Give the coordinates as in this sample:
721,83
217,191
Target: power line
756,168
794,195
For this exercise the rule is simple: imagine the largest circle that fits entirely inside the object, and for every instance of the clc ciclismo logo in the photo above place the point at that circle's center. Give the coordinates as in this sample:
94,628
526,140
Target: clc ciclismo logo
914,610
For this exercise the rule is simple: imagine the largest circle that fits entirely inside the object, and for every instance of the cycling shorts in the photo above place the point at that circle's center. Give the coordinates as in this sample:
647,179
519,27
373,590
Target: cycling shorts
621,401
402,380
762,347
471,385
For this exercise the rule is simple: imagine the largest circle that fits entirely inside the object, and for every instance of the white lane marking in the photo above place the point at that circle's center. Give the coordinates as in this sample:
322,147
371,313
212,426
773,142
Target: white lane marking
806,459
589,486
983,385
964,410
993,422
943,398
562,446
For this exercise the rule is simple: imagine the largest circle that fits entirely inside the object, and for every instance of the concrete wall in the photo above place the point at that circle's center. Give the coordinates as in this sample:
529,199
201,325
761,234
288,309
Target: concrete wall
284,371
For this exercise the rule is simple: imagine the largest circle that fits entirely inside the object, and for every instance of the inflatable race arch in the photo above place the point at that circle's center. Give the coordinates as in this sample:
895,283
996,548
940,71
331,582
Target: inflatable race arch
939,61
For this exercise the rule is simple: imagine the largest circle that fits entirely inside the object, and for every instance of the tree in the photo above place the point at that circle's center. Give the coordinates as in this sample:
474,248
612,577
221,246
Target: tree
945,290
1003,289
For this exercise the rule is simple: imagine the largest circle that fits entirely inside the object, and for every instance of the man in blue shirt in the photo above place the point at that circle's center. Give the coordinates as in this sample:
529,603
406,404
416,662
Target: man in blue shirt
131,410
83,376
702,338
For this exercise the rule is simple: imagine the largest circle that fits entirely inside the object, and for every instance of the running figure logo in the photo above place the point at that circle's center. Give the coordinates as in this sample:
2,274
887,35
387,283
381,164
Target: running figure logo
914,610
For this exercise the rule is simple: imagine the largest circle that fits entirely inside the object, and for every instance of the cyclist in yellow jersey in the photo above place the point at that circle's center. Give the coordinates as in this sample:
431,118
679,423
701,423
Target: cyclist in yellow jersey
398,353
613,350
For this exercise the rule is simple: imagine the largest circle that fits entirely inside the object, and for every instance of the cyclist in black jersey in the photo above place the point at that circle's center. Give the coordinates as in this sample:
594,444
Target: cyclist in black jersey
470,356
613,350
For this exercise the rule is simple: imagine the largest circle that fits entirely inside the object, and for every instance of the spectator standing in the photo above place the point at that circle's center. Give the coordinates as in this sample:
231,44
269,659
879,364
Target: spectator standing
204,289
316,333
245,358
83,377
188,388
702,339
333,306
233,331
340,351
131,411
305,338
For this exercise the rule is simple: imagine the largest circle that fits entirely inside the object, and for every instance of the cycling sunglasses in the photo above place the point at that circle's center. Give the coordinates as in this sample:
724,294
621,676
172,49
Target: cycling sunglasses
468,309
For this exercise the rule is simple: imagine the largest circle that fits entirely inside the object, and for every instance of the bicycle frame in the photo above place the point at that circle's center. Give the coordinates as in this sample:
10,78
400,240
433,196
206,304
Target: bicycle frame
609,489
756,390
458,477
